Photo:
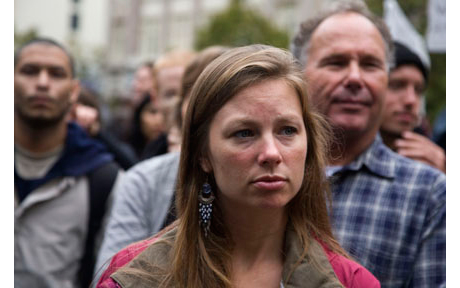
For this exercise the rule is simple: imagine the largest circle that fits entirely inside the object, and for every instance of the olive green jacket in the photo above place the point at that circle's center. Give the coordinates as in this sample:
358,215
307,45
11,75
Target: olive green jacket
307,274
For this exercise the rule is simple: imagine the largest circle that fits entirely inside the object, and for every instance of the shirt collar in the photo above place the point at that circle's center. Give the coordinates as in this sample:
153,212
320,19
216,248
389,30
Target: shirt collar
377,158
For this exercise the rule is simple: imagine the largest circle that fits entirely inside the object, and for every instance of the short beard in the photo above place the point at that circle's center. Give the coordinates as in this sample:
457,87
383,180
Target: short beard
41,122
389,133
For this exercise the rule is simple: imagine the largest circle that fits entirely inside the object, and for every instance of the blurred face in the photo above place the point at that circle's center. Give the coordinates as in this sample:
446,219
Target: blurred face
346,72
169,82
403,99
142,83
44,89
152,122
258,148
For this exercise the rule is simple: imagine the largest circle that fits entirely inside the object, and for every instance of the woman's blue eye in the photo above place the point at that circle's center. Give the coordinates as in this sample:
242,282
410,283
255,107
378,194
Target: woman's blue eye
288,131
244,133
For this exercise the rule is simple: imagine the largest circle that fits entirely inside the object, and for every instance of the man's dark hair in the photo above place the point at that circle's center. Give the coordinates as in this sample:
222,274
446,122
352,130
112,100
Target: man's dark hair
405,56
47,41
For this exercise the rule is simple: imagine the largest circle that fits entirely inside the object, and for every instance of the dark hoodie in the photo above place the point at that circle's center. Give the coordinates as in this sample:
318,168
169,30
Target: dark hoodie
81,155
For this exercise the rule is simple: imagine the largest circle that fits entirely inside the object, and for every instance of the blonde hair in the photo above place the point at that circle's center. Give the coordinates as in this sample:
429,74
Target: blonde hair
172,59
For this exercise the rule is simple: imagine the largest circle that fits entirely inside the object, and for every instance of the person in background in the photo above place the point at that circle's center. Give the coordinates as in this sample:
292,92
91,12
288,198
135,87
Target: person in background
388,211
86,113
143,83
144,200
191,73
402,110
252,194
148,126
62,177
168,73
142,86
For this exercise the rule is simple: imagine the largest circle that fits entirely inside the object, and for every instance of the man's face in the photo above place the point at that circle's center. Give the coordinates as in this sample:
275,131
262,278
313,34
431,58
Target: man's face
403,99
169,82
44,89
347,74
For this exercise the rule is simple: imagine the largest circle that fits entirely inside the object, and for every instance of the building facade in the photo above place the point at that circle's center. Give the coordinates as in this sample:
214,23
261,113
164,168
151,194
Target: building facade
110,38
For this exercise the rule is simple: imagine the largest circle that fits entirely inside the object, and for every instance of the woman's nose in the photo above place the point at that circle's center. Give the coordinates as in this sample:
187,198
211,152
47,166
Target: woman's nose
269,151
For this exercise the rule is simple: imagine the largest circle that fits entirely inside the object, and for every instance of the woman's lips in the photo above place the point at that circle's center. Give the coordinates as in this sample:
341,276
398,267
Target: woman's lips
270,182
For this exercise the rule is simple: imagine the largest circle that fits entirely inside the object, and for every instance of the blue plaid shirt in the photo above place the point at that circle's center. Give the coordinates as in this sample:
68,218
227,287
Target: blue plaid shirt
389,213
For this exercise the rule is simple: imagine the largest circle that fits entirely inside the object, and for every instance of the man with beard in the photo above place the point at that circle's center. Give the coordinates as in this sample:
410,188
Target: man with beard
402,110
58,208
389,212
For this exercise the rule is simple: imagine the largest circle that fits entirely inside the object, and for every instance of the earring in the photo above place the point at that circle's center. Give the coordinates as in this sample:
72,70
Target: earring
205,199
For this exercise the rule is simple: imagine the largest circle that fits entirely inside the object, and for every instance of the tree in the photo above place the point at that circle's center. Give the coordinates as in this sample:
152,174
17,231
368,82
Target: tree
22,38
238,26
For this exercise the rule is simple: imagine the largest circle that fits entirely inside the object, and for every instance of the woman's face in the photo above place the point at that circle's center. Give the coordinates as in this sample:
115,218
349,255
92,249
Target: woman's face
152,122
258,147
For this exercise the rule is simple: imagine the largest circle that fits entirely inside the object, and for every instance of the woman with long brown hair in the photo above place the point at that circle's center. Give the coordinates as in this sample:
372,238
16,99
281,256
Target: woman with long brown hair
252,195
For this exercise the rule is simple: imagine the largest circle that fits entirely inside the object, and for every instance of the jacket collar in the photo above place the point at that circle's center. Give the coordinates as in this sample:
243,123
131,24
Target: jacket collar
313,271
81,154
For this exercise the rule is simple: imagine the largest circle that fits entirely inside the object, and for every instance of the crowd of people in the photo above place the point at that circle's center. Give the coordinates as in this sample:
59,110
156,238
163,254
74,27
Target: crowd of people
243,166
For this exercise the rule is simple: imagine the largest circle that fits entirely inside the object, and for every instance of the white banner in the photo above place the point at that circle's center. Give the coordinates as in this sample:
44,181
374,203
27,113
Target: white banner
404,32
436,28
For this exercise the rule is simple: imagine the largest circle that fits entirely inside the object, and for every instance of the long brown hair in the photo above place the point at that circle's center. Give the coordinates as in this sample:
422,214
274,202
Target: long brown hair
199,261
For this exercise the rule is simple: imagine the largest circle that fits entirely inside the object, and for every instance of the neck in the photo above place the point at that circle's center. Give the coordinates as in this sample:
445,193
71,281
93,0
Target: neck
258,234
389,139
39,140
346,148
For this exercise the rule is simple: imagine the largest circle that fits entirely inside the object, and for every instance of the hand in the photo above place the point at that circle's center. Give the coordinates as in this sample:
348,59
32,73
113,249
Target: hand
420,148
87,118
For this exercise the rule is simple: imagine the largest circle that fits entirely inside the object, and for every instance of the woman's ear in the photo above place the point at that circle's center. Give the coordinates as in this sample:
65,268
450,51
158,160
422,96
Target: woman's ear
205,165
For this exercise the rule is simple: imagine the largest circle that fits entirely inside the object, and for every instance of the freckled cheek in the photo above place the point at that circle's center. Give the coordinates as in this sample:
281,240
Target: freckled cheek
226,157
234,159
231,170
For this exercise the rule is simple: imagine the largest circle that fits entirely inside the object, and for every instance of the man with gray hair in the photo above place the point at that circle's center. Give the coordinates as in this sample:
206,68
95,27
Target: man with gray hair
388,211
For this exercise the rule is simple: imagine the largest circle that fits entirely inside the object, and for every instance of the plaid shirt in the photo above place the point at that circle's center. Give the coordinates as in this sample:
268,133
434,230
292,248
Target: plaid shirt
389,213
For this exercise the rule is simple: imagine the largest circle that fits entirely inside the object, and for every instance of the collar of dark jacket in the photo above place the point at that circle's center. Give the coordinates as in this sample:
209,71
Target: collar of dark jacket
313,271
81,155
